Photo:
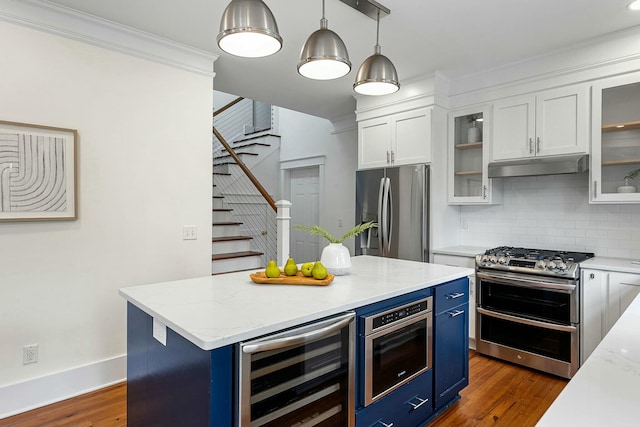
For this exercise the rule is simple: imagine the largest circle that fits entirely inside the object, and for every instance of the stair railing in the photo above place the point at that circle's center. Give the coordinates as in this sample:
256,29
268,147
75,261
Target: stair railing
246,170
256,220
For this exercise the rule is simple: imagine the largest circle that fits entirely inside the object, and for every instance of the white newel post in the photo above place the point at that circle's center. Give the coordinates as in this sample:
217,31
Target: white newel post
283,221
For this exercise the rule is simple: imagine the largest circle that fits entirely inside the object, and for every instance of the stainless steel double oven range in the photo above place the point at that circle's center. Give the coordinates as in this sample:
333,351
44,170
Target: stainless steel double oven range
528,307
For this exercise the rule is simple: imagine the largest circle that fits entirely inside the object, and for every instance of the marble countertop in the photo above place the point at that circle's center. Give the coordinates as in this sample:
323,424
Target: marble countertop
621,265
468,251
215,311
604,390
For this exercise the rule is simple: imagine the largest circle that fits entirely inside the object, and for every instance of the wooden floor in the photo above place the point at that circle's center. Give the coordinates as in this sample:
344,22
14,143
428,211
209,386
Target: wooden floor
499,394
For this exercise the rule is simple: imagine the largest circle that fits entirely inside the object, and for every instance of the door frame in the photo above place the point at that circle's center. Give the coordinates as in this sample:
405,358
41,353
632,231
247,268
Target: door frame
286,166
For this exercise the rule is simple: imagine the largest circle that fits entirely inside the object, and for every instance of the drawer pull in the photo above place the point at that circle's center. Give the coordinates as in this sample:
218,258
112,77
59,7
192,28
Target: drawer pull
455,313
455,296
417,405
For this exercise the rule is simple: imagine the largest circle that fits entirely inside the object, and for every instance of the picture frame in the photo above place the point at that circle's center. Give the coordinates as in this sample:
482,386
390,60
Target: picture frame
38,173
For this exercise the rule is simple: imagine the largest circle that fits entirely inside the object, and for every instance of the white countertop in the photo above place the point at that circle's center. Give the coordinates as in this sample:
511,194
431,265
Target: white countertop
215,311
622,265
604,391
468,251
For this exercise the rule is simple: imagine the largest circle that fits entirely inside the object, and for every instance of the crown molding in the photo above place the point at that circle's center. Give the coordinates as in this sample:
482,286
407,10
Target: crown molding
62,21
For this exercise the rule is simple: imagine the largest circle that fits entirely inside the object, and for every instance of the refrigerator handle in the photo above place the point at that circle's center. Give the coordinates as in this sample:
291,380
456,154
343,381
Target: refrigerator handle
389,209
380,222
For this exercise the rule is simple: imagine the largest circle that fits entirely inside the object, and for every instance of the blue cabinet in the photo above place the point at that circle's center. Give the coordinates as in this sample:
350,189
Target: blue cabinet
451,341
409,406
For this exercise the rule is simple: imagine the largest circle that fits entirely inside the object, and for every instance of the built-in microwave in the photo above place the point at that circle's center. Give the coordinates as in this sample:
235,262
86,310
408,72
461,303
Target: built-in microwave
397,347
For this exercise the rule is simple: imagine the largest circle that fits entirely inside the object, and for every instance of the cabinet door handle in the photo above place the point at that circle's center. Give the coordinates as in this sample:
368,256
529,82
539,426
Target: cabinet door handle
393,157
417,405
530,145
455,313
537,144
484,193
592,276
630,284
388,158
595,189
455,296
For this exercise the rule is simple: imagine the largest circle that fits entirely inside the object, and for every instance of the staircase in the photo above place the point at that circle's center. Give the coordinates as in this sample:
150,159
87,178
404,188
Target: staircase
230,250
239,210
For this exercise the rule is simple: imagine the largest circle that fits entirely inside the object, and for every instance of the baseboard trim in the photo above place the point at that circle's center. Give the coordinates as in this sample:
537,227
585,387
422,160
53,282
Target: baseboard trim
42,391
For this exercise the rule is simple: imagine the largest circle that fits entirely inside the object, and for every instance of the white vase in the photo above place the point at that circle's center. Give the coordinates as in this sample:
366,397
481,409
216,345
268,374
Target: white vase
474,134
335,257
627,187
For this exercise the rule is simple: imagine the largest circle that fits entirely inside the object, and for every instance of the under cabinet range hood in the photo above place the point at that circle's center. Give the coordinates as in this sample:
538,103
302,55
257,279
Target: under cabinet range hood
540,166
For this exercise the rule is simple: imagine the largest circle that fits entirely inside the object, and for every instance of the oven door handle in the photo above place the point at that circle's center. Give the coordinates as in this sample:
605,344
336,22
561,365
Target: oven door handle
294,340
528,282
561,328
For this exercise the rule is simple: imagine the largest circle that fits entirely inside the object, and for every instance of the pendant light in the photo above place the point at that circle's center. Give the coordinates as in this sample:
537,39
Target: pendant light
324,55
248,29
376,75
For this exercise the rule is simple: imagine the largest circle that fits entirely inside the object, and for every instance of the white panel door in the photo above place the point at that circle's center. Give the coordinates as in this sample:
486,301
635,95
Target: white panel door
305,189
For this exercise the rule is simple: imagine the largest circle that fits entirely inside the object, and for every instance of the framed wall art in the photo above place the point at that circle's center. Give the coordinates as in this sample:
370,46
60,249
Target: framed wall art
37,172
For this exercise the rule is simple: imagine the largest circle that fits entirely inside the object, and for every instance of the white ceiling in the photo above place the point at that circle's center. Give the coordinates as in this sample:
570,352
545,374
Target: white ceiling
455,37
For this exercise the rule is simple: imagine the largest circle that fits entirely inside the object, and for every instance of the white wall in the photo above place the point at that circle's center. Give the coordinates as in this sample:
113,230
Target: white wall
144,171
552,212
304,137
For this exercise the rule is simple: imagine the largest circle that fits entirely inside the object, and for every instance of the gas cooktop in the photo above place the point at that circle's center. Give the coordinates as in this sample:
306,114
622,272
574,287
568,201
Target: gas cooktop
535,261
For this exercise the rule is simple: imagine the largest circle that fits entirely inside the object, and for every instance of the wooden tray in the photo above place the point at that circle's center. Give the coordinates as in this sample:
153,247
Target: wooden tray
298,279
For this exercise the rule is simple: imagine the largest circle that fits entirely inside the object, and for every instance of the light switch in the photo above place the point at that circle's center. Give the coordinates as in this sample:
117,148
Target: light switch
189,232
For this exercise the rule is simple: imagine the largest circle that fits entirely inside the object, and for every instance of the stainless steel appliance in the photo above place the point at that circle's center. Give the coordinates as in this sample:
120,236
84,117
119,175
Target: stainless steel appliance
303,377
397,198
528,307
397,348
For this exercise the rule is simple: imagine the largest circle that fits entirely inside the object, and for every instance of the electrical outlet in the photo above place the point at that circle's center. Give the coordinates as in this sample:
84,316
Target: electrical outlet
464,224
189,232
29,354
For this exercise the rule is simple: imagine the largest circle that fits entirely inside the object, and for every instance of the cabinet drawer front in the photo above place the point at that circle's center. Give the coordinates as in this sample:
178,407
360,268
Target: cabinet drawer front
408,406
625,279
455,260
451,294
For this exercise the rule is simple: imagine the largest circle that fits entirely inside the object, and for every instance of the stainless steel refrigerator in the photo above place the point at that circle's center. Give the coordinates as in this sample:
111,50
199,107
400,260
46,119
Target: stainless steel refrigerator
397,198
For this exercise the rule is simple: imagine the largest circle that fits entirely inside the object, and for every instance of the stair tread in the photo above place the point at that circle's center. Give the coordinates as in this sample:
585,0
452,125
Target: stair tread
221,173
227,223
218,197
222,210
229,255
226,156
236,271
252,137
244,144
230,238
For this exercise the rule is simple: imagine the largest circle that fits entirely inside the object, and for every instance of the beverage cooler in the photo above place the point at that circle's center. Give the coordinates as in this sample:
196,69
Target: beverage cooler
302,377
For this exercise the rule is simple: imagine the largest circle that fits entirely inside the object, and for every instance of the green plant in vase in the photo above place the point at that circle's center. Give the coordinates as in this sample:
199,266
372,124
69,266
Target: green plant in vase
627,187
335,257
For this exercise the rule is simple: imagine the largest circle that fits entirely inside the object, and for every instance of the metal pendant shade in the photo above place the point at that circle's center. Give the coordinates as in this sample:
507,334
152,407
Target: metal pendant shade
377,74
324,55
248,29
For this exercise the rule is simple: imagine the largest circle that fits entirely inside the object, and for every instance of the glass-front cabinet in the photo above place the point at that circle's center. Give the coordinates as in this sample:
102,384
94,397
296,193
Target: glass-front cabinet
469,136
615,162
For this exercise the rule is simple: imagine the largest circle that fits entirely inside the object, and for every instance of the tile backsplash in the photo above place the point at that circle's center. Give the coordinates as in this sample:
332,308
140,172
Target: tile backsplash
553,212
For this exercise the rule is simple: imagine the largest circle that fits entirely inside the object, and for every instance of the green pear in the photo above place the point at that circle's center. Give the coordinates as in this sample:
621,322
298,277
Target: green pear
272,270
319,271
290,268
306,269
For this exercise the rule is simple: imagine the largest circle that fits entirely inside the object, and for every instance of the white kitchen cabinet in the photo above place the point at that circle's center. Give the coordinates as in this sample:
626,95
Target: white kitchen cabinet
469,262
615,140
605,296
396,139
549,123
468,159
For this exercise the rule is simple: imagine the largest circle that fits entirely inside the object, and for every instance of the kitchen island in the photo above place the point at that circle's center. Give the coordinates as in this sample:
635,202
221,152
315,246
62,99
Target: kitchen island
179,332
